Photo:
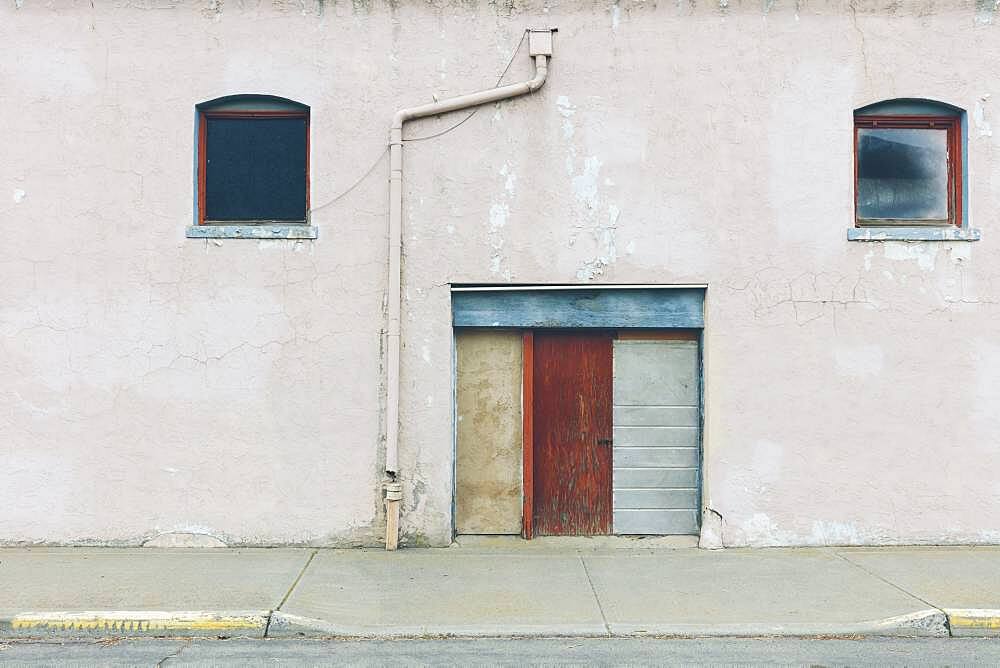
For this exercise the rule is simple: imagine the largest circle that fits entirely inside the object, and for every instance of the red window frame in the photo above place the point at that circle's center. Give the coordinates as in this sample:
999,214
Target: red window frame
205,114
953,125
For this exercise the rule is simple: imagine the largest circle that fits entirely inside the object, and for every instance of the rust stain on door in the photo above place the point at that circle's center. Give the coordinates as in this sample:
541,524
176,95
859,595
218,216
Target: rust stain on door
572,407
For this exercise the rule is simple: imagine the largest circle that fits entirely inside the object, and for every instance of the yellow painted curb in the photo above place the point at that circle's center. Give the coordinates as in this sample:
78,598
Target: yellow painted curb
974,622
142,622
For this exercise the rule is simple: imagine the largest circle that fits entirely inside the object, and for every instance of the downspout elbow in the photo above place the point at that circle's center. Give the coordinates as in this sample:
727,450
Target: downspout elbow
399,118
541,73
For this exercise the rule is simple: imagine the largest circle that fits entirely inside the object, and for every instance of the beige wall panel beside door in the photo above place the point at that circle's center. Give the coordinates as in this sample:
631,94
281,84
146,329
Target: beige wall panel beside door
488,477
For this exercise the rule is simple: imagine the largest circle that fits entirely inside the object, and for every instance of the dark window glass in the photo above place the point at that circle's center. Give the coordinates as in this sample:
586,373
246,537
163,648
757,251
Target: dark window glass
255,169
903,174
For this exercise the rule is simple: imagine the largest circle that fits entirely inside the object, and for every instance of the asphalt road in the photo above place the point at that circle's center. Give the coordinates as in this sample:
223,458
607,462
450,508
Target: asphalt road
505,652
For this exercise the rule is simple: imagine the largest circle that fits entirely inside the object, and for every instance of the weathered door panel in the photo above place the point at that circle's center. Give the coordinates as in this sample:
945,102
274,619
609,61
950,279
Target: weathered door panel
488,467
572,432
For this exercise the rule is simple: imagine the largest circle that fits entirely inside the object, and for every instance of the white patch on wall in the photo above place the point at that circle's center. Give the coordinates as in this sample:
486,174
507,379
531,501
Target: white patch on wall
985,10
834,533
923,253
591,269
293,245
860,360
499,214
498,220
19,196
979,117
566,110
585,183
565,107
616,16
960,253
760,530
988,536
604,235
511,178
588,221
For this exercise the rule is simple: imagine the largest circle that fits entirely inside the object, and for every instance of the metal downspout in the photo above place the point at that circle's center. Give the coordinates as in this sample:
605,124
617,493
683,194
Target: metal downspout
540,48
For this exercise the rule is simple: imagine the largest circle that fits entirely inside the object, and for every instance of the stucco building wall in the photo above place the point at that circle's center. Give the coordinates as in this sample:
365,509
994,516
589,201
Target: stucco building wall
154,383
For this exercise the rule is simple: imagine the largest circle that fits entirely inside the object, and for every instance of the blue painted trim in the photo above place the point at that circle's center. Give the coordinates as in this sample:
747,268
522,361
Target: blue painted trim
585,308
194,170
913,234
251,101
252,232
909,106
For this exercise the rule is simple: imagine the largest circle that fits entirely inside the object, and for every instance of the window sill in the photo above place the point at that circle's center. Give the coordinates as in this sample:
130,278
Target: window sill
915,233
292,231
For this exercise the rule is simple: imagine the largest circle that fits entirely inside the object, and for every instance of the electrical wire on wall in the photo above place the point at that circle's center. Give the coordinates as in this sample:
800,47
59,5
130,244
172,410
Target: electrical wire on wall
424,138
353,185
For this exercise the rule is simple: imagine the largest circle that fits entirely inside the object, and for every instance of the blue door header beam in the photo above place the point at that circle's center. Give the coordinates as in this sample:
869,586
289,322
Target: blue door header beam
605,308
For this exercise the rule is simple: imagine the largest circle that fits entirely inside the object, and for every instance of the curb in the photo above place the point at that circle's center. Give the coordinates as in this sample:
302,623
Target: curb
925,623
284,625
264,623
980,622
128,623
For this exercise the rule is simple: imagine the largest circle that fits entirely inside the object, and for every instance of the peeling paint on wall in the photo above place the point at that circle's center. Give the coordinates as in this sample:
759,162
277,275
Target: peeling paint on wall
834,533
924,253
566,110
985,10
979,117
499,213
761,530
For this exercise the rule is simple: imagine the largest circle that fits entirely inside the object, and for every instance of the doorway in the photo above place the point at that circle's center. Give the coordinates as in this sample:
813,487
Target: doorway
571,436
578,411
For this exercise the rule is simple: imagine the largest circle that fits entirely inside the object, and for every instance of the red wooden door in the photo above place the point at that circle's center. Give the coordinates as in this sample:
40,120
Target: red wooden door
571,434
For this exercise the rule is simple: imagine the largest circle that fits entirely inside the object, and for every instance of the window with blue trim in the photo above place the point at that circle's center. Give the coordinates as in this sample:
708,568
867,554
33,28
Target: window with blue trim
909,160
253,161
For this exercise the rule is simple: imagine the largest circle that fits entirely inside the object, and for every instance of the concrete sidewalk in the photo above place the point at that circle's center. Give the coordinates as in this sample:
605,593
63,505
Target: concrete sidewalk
562,587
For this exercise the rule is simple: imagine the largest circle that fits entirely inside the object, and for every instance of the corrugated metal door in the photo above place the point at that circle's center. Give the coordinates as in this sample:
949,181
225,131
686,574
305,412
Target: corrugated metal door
656,434
572,416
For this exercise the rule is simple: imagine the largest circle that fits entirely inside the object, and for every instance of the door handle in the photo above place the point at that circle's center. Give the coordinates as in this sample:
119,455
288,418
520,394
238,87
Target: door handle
604,441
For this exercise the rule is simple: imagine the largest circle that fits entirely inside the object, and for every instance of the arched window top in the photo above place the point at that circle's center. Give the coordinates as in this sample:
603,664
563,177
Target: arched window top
909,106
252,103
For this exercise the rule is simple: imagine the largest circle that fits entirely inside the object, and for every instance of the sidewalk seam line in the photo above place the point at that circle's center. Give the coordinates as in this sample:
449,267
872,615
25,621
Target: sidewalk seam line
284,599
597,599
947,621
173,655
298,578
